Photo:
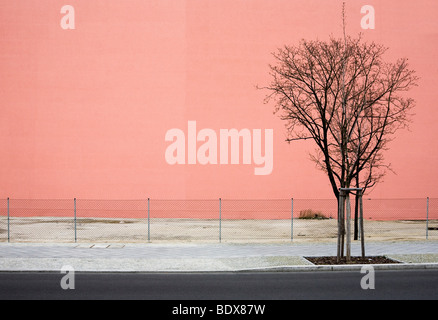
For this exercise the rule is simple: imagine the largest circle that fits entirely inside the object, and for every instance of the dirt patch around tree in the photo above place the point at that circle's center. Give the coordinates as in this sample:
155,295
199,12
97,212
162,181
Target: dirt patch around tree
332,260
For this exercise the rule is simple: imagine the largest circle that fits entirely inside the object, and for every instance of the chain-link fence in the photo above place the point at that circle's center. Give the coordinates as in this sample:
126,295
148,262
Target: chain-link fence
246,220
111,220
36,220
183,220
211,220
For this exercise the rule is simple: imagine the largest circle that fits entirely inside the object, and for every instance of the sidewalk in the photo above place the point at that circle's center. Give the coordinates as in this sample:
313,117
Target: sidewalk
219,257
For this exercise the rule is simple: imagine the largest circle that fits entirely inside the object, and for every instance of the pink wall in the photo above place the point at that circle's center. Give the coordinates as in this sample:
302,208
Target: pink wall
84,112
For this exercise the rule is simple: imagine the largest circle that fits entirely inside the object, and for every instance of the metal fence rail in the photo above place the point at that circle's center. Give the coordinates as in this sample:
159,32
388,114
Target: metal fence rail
210,220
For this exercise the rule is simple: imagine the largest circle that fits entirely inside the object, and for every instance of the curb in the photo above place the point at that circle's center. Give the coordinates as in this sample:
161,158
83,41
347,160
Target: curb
355,267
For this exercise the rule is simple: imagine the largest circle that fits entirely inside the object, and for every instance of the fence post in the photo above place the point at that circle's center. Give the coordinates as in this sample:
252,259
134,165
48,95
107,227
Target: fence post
220,220
292,219
427,218
8,220
149,223
76,238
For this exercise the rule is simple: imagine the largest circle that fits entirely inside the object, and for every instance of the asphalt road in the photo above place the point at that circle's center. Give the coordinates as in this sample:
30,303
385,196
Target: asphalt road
396,284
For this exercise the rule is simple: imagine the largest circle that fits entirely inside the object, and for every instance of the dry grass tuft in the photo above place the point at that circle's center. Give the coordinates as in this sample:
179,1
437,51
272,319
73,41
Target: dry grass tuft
310,214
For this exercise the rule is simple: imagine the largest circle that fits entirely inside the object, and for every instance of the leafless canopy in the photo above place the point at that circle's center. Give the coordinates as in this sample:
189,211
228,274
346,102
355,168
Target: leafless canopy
344,96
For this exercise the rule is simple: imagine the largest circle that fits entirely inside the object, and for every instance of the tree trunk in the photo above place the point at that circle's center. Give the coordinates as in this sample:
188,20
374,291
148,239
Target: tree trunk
339,244
356,207
362,236
341,225
348,229
356,217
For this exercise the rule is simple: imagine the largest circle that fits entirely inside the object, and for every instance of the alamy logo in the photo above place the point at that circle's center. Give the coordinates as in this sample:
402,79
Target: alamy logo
68,20
368,280
368,20
68,281
224,150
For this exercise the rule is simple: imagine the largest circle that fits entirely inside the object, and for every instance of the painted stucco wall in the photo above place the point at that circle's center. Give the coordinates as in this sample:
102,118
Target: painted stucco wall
84,112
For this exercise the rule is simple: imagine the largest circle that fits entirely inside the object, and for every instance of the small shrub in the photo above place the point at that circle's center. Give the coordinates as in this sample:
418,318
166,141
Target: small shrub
310,214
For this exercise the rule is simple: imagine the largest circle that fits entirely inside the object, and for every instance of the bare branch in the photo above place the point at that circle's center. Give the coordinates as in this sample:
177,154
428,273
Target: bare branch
343,95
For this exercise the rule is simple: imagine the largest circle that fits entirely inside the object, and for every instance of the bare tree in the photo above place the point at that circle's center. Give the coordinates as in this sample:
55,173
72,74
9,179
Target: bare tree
344,96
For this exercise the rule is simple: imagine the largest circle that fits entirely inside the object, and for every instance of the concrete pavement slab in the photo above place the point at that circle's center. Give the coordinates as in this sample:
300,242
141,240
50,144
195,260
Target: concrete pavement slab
192,257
